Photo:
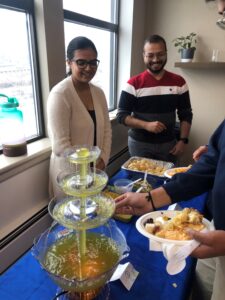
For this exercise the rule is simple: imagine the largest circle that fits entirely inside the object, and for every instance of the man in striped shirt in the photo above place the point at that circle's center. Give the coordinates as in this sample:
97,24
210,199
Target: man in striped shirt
149,103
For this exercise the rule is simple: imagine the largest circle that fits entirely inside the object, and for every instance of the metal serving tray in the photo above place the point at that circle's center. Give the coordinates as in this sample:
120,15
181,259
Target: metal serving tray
166,165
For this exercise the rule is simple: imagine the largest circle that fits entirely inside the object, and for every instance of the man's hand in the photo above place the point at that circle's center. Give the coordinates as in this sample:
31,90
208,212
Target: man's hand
155,127
178,148
212,243
198,152
132,204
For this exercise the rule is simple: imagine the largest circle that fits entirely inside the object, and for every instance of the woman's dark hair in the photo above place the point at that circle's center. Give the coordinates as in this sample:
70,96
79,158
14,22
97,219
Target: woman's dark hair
155,39
80,42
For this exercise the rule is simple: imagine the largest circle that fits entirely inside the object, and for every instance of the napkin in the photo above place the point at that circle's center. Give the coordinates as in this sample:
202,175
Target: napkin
175,254
176,261
170,250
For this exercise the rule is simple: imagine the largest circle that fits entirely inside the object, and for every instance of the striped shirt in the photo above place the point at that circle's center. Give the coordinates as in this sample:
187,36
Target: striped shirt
149,99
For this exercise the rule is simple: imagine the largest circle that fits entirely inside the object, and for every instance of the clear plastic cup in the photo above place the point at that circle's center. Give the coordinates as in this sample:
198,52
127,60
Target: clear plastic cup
123,185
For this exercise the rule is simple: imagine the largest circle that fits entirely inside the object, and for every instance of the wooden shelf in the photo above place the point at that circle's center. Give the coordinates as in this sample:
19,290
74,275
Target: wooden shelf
200,65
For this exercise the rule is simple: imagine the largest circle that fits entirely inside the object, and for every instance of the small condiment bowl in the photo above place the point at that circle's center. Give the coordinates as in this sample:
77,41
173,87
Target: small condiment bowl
123,185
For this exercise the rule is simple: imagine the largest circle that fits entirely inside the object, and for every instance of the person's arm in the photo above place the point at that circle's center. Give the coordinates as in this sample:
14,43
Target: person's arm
138,203
58,114
155,127
179,148
200,178
125,109
126,104
100,164
185,128
185,115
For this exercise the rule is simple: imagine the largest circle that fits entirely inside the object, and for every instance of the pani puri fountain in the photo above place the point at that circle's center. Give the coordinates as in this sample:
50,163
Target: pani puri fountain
83,247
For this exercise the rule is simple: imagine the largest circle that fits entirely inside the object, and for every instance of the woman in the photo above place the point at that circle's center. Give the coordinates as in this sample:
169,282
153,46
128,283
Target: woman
77,110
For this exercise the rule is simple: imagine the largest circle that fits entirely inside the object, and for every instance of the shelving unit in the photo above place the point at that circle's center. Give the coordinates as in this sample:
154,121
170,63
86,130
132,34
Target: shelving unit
200,65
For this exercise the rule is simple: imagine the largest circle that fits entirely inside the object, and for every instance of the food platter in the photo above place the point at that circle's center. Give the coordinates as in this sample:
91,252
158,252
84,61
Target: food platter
141,165
140,225
171,172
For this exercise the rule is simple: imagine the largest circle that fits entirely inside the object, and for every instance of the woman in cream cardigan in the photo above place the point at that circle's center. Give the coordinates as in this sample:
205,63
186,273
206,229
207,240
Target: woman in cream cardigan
77,110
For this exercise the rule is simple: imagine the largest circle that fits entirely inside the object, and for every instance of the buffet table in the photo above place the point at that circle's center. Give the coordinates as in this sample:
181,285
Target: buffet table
26,280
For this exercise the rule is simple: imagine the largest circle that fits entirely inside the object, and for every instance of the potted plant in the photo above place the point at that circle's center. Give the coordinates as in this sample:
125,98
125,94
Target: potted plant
186,46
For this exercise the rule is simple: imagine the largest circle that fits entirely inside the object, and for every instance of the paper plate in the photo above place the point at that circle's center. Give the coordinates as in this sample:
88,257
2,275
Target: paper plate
155,214
171,172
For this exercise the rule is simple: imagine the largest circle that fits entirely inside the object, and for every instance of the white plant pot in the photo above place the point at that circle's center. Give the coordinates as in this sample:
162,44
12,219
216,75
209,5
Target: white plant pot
186,59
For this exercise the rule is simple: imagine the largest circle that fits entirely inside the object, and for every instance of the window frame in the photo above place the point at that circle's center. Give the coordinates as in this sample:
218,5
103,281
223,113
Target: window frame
27,6
77,18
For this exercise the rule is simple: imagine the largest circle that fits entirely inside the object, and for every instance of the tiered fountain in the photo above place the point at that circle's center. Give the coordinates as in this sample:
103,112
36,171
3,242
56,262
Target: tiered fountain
82,248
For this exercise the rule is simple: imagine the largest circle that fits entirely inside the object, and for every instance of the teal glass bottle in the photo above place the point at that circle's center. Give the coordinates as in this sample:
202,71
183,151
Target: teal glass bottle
12,135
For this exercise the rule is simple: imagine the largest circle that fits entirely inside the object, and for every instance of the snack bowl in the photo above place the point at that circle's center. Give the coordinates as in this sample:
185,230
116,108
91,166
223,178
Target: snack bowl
174,251
123,185
140,225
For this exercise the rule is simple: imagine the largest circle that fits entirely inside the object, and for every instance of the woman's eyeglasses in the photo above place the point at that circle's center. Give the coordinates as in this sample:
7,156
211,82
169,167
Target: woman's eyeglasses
83,63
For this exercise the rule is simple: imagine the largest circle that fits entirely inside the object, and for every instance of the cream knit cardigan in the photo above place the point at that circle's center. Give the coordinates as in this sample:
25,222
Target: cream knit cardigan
69,124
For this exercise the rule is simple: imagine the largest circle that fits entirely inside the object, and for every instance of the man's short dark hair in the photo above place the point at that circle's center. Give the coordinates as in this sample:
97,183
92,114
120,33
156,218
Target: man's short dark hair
155,39
209,0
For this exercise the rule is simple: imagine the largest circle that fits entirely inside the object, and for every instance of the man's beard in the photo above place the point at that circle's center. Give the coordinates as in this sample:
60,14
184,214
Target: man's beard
156,71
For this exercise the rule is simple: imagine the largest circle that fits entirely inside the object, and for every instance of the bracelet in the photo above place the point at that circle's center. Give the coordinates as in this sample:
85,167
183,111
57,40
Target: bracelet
149,199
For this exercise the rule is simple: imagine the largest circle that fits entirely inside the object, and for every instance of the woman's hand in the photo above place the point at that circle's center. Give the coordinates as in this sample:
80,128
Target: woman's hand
132,204
100,164
198,152
212,243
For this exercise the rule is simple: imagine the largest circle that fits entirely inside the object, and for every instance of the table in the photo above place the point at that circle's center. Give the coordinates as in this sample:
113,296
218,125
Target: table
26,280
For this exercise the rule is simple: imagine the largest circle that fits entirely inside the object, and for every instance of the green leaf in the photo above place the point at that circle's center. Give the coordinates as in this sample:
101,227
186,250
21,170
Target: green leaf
185,42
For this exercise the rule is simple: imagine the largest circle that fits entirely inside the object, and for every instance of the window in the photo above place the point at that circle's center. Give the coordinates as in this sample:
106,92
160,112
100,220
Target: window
97,20
18,63
100,9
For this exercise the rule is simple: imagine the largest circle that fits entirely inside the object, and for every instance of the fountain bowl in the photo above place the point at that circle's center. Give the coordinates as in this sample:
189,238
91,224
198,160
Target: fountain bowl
73,184
108,232
66,211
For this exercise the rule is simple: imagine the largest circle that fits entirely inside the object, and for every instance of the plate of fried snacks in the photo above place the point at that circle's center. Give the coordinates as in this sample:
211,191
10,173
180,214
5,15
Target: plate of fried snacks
167,226
146,165
171,172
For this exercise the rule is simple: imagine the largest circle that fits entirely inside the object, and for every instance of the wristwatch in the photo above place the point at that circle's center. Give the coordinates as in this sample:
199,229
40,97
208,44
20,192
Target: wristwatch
185,140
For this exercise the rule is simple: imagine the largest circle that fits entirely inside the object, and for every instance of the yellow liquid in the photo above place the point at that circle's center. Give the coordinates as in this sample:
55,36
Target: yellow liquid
105,208
63,258
69,189
83,153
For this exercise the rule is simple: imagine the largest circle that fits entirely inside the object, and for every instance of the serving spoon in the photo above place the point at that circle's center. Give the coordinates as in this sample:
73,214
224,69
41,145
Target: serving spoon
133,182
